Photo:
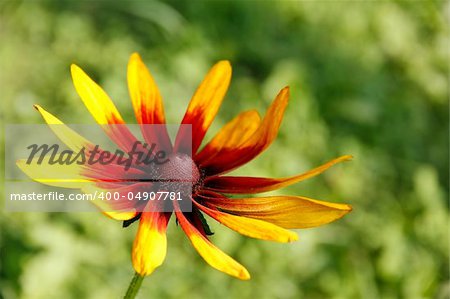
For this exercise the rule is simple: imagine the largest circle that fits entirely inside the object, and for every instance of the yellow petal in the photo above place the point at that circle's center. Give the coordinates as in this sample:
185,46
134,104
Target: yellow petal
284,211
210,253
253,228
68,176
102,109
95,98
204,106
150,244
121,216
65,176
68,136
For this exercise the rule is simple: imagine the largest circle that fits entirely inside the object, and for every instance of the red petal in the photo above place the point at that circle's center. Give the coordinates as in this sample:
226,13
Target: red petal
231,136
258,142
203,107
147,103
249,185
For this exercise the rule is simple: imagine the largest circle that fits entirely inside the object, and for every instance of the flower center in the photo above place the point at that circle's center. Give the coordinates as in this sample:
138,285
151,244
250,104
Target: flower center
180,172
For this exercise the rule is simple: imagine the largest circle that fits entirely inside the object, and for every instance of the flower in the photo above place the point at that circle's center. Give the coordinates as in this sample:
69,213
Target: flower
238,142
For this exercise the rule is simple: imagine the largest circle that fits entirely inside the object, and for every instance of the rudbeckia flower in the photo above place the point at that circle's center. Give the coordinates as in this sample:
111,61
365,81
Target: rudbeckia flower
237,143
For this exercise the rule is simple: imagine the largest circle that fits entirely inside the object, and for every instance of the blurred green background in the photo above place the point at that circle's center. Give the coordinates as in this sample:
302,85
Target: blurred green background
367,78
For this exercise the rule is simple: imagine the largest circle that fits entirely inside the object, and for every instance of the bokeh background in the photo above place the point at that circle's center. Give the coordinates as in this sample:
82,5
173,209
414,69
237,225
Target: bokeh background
367,78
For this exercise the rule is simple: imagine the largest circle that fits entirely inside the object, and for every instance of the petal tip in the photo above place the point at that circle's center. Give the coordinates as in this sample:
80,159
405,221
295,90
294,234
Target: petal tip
244,275
75,71
286,91
348,157
224,62
135,57
293,237
224,65
348,208
74,67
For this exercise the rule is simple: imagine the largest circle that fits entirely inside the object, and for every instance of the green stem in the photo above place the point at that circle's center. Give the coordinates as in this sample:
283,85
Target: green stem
134,286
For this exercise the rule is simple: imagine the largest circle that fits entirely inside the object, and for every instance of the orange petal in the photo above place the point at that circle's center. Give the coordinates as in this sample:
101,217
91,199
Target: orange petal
102,108
284,211
249,185
203,107
147,101
210,253
233,134
253,228
150,244
258,142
